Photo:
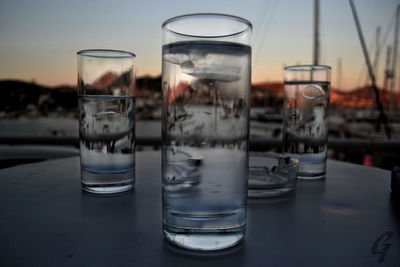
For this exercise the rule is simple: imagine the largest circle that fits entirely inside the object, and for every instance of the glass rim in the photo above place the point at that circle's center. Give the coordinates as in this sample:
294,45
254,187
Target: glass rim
308,67
248,24
105,53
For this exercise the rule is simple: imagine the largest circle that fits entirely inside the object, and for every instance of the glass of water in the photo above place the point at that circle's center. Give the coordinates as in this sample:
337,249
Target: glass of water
305,118
206,79
106,82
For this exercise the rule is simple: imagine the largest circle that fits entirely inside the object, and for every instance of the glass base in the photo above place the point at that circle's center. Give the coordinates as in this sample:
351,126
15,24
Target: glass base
107,189
205,231
306,176
204,240
107,182
311,170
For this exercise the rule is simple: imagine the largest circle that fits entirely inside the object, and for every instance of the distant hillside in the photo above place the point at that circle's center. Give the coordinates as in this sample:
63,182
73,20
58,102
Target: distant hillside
21,98
18,96
358,98
271,87
363,97
148,83
24,98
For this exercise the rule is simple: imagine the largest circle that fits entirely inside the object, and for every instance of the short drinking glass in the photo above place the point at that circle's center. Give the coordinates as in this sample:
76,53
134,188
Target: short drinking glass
106,82
305,118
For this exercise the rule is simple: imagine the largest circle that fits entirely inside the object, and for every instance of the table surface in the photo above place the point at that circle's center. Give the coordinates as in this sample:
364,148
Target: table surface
47,220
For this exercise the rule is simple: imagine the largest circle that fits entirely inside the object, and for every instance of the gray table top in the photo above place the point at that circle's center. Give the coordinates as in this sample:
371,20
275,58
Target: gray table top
47,220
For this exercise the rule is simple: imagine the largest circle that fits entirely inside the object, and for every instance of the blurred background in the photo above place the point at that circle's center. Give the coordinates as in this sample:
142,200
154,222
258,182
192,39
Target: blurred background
38,70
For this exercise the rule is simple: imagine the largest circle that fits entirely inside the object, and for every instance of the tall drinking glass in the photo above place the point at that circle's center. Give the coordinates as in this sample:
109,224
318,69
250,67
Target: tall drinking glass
106,82
305,118
206,78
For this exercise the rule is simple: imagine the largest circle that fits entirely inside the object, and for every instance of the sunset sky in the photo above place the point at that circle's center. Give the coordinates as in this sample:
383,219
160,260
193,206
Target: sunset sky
39,39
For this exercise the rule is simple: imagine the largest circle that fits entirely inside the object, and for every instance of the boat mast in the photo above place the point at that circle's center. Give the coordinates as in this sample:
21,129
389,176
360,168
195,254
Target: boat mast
316,33
339,73
382,116
377,51
388,71
394,60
